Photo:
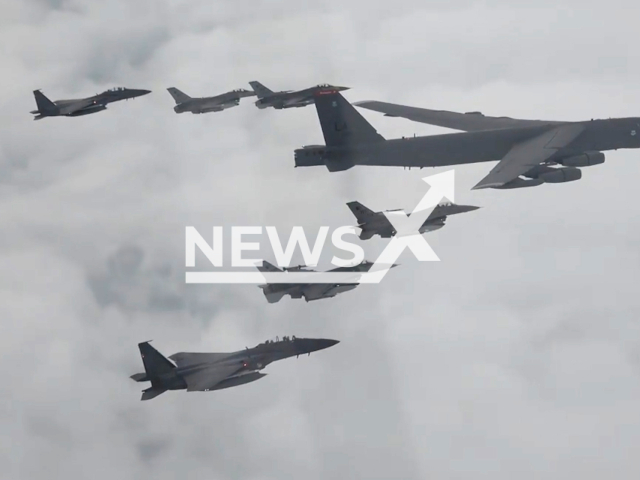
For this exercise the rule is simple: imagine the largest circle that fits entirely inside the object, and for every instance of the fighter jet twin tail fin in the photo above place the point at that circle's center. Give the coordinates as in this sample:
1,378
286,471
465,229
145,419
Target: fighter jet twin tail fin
155,364
45,106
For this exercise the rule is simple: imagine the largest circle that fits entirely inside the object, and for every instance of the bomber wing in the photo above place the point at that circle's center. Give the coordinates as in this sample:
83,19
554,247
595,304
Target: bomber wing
468,122
529,154
206,378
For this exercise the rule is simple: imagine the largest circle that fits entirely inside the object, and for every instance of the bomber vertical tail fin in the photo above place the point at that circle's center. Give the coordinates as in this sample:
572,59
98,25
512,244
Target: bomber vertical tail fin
45,106
261,90
178,96
341,123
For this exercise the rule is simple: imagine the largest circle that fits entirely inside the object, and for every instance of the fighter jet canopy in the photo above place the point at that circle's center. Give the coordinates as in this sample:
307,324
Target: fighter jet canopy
285,339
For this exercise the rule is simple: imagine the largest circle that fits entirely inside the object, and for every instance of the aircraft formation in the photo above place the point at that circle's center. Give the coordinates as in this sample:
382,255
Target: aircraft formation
529,153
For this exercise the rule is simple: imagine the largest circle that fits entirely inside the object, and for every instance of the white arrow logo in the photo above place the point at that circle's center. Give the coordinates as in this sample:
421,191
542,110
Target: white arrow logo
408,235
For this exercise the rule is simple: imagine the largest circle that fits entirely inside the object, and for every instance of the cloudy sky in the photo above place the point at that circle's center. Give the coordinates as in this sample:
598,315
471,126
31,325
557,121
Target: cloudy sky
517,355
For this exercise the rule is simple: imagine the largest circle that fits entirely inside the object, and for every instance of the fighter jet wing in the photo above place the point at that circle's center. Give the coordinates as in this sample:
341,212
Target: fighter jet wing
184,359
318,290
71,106
206,378
468,122
297,99
528,154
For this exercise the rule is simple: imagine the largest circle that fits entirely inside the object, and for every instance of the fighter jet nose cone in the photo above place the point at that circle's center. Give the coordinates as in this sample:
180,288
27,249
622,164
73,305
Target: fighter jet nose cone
144,92
342,89
469,208
320,344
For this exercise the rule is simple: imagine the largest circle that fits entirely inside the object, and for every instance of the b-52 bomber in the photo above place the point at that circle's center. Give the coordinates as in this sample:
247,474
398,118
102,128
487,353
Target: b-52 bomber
310,291
531,152
82,106
185,103
376,223
203,372
289,98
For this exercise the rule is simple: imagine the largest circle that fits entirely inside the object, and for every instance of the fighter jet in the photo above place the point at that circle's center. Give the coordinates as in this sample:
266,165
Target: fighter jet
375,223
185,103
540,151
289,98
81,106
203,372
310,291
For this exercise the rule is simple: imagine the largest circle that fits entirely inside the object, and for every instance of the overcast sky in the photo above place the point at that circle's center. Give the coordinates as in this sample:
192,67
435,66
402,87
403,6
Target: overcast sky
516,356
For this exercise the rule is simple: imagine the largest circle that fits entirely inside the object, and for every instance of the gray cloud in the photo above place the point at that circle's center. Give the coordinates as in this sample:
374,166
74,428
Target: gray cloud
516,355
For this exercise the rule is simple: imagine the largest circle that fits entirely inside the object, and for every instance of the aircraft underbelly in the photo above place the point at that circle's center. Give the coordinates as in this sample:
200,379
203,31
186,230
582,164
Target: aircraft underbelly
319,290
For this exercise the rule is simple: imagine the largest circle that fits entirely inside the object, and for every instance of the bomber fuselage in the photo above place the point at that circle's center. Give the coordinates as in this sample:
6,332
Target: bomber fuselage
468,147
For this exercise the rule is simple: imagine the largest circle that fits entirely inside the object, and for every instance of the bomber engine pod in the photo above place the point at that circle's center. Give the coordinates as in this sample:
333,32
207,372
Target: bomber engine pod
586,159
562,175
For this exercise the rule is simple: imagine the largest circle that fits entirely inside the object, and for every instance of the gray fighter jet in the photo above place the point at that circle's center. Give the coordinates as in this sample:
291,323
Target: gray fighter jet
82,106
375,223
185,103
202,372
310,291
540,151
289,98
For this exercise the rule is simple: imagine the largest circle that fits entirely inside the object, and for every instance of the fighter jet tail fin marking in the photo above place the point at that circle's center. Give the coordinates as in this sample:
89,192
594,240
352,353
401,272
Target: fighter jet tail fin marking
45,106
366,234
361,212
341,123
155,364
273,297
268,267
261,90
178,96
